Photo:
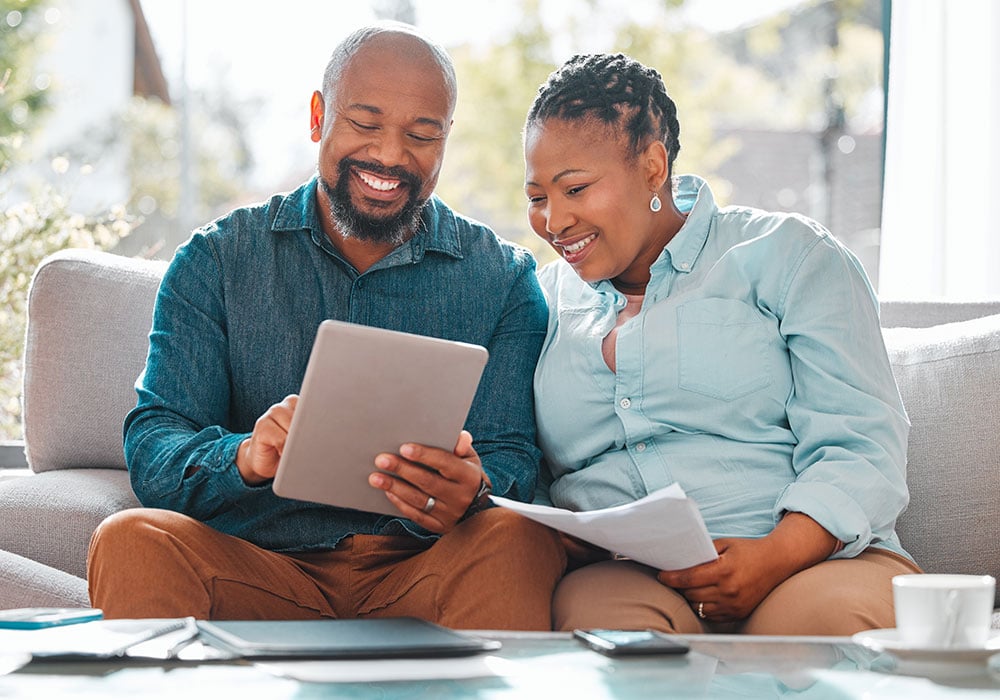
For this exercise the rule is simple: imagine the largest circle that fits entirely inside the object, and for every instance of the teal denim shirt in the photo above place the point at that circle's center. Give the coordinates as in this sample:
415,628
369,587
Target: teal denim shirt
233,325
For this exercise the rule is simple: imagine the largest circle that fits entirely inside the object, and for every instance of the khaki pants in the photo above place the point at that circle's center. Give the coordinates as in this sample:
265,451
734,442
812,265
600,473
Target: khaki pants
495,570
834,597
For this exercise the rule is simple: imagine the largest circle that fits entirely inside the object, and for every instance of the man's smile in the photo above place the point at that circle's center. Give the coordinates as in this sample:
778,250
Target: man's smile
376,182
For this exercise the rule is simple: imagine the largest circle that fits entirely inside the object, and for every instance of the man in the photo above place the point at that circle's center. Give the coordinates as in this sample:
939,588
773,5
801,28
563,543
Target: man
364,241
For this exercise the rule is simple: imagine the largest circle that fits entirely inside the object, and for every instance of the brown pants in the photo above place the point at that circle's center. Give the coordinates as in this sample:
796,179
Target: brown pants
495,570
834,597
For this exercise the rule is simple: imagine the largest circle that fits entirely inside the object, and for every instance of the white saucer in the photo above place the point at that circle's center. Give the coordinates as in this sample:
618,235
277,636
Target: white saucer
888,641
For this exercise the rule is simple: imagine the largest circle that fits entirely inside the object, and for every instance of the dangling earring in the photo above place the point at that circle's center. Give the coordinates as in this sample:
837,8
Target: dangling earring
655,204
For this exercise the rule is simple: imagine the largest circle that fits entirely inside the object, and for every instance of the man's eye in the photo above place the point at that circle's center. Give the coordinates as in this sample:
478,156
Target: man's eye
423,138
364,127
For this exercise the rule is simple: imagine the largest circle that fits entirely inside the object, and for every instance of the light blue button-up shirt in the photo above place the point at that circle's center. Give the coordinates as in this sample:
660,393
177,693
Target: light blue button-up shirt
754,375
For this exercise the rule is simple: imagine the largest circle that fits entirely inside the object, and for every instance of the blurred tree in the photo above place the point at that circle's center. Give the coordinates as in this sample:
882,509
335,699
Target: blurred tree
41,221
768,75
397,10
485,161
497,84
23,95
222,161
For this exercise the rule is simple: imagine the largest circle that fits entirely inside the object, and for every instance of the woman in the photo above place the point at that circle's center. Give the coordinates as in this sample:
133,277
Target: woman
734,351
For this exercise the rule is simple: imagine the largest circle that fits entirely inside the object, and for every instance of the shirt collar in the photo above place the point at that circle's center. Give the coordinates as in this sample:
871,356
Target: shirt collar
438,227
693,196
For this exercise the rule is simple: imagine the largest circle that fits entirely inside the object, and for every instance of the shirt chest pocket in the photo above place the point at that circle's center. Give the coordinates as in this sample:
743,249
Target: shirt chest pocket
722,348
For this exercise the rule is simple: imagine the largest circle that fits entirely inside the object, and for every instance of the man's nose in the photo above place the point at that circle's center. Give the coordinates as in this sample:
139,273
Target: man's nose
389,149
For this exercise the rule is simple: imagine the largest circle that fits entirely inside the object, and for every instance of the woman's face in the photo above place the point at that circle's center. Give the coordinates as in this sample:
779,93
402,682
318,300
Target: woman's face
589,201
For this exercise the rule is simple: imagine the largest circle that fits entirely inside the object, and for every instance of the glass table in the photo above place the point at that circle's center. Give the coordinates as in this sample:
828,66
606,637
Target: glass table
543,665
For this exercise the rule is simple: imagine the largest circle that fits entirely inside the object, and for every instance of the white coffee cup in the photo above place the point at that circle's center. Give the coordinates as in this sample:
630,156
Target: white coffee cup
943,610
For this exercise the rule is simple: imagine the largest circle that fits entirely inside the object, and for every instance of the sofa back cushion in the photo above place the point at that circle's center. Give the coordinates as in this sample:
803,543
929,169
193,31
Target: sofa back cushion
923,314
949,377
89,315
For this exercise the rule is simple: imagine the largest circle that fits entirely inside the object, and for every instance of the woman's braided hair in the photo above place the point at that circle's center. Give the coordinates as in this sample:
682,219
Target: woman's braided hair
616,90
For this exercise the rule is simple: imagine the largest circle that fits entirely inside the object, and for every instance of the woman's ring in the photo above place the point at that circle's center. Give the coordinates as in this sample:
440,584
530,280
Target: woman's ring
701,610
429,506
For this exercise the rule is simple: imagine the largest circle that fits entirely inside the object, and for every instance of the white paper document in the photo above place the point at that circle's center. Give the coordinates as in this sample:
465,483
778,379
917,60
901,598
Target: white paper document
379,670
663,530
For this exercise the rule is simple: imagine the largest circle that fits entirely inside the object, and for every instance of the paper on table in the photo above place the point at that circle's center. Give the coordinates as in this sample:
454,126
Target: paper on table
663,530
375,670
101,639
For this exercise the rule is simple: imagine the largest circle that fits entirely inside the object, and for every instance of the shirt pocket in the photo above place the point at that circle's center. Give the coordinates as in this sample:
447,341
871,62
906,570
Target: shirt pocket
722,348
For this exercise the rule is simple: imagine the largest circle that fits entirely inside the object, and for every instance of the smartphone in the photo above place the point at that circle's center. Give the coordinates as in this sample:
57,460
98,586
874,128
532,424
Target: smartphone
631,642
37,618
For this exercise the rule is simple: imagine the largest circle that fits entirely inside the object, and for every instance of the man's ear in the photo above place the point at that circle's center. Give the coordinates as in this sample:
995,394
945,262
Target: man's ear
316,107
655,163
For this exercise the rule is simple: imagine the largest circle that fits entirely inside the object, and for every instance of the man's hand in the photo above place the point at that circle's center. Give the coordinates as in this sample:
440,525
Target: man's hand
434,487
257,457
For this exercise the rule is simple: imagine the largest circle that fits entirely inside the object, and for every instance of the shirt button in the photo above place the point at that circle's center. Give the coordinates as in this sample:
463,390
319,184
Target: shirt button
625,403
640,447
685,266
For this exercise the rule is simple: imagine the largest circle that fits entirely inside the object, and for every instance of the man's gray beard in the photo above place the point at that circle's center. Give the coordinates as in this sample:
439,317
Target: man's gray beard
352,223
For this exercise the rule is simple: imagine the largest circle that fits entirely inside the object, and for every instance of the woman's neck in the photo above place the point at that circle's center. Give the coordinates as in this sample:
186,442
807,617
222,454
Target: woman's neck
636,277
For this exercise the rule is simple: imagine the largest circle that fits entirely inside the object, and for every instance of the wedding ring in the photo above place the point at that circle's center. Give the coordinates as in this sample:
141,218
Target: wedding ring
429,506
701,610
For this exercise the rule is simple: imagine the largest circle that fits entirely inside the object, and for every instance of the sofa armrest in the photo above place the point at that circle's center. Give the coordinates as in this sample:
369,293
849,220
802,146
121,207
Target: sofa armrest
89,315
948,377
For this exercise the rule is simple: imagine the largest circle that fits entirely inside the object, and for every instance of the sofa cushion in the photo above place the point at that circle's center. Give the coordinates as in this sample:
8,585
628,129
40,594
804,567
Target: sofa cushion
50,517
949,377
89,315
26,584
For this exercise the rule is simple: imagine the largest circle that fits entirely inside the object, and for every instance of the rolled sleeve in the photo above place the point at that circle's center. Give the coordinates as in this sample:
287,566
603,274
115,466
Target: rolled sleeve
845,409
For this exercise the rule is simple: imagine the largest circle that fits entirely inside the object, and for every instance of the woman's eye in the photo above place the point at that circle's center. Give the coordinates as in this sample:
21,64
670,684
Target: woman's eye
576,190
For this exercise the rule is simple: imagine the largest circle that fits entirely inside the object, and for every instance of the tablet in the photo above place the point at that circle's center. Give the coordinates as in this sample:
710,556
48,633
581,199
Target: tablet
368,390
370,638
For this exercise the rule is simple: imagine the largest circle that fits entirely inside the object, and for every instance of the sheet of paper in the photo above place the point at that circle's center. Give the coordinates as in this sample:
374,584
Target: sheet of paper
663,530
375,670
101,637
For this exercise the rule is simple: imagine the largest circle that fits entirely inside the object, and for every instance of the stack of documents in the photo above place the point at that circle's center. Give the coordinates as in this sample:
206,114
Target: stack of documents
664,530
104,640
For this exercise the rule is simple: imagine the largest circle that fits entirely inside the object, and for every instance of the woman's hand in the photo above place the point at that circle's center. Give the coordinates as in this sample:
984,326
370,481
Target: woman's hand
730,587
747,570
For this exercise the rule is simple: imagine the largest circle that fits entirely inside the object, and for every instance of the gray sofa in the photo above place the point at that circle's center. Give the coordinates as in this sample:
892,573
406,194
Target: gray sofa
89,315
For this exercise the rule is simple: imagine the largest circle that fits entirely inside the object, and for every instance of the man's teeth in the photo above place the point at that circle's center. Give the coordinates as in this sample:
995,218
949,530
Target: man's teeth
580,244
377,183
